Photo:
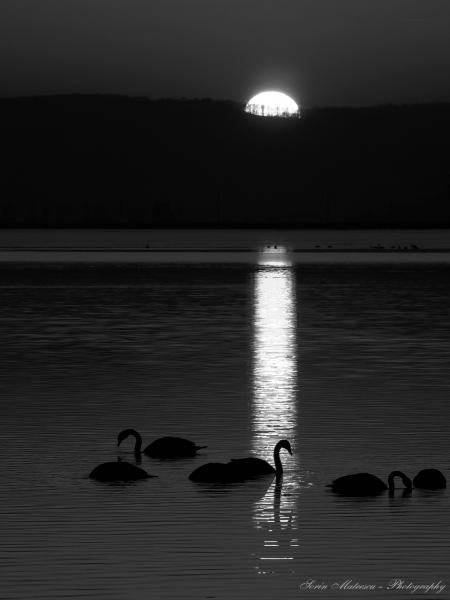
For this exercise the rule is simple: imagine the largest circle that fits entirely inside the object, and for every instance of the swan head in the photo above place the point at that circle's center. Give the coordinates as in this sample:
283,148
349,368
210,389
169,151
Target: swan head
405,480
286,445
124,434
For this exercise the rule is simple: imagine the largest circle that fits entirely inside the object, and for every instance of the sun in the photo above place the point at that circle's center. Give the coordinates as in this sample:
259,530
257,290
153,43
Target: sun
272,104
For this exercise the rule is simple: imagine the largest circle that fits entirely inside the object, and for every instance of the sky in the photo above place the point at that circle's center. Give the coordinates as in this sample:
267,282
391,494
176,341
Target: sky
321,52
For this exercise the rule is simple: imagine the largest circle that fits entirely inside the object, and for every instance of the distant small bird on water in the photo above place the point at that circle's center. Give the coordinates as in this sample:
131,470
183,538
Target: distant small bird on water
366,484
165,447
242,468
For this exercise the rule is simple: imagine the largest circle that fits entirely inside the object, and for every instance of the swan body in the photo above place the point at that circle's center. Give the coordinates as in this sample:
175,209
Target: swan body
366,484
430,479
253,466
241,469
172,447
118,471
213,473
165,447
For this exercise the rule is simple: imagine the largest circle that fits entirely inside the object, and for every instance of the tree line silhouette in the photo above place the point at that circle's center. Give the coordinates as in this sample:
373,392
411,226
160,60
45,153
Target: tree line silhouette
112,161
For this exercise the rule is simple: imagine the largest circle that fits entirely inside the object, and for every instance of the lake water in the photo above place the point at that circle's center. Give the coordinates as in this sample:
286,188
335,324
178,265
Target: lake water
349,361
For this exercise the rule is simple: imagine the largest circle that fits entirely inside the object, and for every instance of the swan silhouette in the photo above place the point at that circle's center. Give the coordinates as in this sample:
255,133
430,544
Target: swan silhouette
118,471
366,484
430,479
165,447
242,468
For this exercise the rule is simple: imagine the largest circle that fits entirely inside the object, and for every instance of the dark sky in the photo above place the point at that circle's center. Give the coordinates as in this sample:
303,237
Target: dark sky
322,52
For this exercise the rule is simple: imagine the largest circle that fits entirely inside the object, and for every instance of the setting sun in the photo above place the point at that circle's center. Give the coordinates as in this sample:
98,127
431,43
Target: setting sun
272,104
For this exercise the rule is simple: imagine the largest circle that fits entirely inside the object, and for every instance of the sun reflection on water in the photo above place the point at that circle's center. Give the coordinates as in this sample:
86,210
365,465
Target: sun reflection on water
275,407
274,361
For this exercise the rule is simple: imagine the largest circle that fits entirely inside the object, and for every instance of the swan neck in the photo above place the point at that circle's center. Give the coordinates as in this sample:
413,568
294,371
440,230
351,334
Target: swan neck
138,442
277,461
405,480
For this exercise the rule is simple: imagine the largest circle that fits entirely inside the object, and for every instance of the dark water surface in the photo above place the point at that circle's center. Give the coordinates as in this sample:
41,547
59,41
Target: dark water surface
351,363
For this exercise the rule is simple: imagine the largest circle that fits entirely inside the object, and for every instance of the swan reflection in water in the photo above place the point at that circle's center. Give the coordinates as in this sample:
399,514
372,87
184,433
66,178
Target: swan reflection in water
274,413
274,517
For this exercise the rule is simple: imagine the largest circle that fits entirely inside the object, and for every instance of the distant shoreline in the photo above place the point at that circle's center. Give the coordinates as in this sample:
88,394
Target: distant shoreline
205,256
245,246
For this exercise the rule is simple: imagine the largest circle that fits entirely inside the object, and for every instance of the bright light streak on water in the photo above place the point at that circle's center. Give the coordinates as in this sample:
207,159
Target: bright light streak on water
274,361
